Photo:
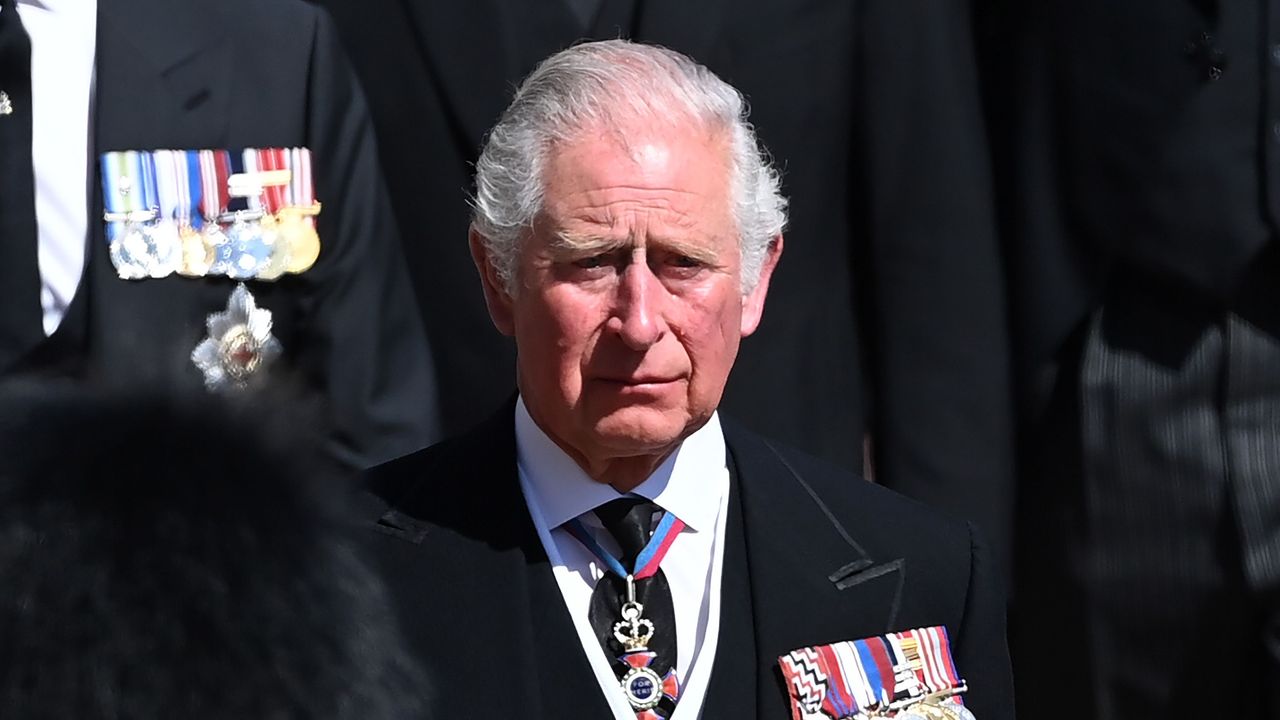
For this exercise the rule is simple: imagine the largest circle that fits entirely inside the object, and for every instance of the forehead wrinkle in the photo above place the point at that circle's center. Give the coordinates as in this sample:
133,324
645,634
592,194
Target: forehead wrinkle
617,213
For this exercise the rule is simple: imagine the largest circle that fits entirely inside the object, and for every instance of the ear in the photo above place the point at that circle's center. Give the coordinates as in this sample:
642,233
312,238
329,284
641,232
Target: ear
753,302
496,297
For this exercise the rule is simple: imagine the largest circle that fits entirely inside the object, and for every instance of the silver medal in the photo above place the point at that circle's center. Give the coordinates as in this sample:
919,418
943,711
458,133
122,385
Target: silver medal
239,347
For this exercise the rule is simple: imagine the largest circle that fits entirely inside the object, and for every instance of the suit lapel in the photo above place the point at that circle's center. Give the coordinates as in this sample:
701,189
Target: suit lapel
164,74
527,638
811,582
731,691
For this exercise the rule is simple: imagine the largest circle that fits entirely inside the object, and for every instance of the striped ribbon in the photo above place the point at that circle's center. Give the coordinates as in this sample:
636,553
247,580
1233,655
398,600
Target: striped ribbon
649,559
880,674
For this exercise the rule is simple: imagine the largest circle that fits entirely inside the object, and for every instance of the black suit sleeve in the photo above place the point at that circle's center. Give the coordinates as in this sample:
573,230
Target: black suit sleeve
931,269
981,650
366,344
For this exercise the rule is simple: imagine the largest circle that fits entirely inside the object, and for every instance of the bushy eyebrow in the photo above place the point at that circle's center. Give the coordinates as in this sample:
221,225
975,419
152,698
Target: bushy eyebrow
574,245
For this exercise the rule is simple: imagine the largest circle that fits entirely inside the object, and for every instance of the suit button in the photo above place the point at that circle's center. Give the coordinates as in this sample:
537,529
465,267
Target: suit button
1275,55
1275,130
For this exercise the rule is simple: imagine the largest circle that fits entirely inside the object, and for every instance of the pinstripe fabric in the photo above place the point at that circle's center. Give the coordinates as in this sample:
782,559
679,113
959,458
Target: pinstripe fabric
1172,554
1251,416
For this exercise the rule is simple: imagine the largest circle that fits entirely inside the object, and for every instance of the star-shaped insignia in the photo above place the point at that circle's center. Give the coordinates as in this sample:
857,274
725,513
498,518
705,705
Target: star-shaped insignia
240,345
6,105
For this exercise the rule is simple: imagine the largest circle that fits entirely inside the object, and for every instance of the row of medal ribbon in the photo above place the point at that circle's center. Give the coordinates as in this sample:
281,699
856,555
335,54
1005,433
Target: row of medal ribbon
908,675
247,215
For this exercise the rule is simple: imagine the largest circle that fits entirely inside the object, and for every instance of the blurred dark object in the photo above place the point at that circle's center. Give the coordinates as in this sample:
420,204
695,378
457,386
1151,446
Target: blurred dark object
886,315
182,559
1138,157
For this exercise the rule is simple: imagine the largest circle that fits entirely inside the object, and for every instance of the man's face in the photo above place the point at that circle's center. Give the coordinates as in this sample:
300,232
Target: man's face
629,307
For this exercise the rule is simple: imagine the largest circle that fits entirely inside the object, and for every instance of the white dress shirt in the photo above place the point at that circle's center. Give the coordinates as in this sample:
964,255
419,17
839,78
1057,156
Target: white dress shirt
63,42
693,484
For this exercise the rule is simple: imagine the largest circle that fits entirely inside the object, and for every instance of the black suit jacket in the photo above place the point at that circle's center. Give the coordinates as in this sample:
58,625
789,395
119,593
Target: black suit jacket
258,73
827,558
1136,141
886,312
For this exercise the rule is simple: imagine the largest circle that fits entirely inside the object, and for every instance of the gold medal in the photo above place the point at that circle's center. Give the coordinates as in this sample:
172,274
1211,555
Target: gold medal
298,234
197,257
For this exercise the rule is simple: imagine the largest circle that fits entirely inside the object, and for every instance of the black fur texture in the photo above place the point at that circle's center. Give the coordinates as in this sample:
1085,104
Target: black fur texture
183,558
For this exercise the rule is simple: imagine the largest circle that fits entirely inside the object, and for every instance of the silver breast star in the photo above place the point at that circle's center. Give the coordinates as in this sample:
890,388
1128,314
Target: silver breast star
240,345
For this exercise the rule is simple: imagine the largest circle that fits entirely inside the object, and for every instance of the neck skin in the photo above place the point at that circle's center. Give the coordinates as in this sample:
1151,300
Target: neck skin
622,473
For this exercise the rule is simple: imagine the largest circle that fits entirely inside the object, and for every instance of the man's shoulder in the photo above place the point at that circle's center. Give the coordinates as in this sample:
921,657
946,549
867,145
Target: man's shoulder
451,481
877,519
831,481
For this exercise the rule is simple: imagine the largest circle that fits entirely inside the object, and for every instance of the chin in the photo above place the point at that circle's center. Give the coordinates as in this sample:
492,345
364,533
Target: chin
639,430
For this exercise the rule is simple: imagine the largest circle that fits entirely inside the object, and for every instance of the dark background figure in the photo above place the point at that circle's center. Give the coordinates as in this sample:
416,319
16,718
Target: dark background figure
184,75
1139,154
166,558
870,108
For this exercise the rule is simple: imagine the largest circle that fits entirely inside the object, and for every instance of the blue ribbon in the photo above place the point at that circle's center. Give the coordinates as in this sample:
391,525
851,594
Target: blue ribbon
579,531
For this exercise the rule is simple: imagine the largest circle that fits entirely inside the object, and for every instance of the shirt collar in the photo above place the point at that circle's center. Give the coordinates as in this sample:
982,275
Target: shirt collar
686,483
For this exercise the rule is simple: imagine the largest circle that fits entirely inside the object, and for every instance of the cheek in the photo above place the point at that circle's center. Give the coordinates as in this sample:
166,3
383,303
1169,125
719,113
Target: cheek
711,335
556,329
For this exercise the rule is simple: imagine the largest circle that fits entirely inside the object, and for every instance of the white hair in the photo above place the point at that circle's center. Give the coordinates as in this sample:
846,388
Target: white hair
609,84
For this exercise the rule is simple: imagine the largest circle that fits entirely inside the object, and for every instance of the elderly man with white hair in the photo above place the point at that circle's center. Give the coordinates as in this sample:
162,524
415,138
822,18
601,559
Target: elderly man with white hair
607,545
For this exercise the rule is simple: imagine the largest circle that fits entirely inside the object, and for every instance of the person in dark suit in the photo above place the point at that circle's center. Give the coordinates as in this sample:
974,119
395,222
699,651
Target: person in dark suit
871,108
184,75
607,533
184,558
1140,146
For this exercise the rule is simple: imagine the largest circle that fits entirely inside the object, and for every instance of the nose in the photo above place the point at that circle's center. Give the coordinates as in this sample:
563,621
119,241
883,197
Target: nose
638,317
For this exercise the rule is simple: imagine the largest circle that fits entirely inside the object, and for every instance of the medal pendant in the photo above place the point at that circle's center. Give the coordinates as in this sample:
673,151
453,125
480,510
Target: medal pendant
6,105
129,252
642,688
218,246
164,248
300,237
277,251
197,257
247,251
239,347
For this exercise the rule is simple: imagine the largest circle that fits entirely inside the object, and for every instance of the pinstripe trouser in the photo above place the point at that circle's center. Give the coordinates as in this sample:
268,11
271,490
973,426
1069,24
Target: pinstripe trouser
1159,595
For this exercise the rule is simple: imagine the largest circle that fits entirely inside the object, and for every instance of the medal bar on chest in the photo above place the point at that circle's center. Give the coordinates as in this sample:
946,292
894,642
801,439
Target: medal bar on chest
215,168
297,218
164,230
128,214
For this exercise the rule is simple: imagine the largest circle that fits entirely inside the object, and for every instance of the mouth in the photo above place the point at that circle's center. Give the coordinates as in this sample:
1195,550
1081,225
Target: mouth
640,383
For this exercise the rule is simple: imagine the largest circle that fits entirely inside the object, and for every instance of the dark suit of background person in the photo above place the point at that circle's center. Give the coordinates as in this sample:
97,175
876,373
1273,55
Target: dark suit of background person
1140,163
231,75
813,555
888,313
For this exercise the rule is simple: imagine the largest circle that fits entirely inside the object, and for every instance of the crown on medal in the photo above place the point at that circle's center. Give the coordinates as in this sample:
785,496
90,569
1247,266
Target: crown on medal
633,631
245,215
